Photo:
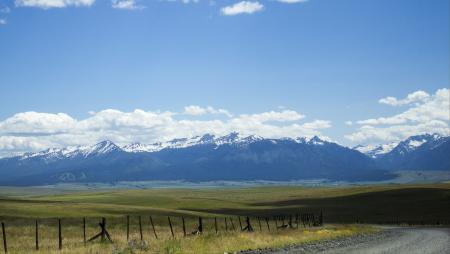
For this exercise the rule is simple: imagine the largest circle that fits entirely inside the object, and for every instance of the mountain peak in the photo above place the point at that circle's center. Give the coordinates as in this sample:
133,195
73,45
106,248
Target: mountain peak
207,138
103,147
412,143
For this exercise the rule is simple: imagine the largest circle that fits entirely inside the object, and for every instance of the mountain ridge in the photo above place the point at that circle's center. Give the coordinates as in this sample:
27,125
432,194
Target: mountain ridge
229,157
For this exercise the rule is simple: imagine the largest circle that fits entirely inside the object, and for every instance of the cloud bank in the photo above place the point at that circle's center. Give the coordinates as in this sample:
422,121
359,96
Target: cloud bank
35,131
47,4
425,114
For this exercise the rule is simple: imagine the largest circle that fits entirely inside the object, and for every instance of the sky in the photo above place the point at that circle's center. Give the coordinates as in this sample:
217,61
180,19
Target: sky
75,72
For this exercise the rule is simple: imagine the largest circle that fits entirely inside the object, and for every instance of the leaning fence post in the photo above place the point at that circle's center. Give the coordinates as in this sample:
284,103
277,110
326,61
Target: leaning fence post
128,227
259,222
249,227
240,223
267,222
103,233
153,226
59,235
232,224
140,228
184,226
171,229
226,225
37,235
5,246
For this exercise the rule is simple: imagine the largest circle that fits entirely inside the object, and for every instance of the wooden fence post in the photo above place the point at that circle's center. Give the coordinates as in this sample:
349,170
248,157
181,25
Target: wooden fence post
171,229
248,227
240,223
128,227
103,233
37,235
215,224
84,231
232,224
200,225
259,223
153,226
184,226
5,246
321,218
226,225
59,235
267,222
140,228
276,223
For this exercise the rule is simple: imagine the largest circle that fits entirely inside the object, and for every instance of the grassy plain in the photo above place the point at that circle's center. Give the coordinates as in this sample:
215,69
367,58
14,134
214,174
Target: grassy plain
19,207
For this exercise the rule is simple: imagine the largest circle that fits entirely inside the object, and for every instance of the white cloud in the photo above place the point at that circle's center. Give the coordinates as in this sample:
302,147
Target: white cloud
126,5
426,114
292,1
244,7
197,110
3,21
276,116
33,131
47,4
418,96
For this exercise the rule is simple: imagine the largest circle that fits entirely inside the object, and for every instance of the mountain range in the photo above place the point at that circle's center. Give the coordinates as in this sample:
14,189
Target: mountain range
421,152
230,157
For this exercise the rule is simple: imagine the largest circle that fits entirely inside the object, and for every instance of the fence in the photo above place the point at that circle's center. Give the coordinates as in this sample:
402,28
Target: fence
134,227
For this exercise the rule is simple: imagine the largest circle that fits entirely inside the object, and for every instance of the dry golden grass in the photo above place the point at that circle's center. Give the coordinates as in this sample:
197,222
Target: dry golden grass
21,238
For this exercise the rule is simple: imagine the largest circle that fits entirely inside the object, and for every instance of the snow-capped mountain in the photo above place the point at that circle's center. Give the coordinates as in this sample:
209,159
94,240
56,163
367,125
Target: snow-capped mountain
107,146
421,152
52,154
415,142
402,148
375,151
207,139
230,157
207,157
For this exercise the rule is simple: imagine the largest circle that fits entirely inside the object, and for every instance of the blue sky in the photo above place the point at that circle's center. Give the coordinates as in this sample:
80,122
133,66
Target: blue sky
327,60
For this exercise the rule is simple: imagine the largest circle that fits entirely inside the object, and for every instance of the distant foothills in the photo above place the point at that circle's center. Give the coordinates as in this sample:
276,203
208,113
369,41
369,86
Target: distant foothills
232,157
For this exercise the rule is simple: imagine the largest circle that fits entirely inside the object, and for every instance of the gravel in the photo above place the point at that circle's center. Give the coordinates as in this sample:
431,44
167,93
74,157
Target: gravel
399,240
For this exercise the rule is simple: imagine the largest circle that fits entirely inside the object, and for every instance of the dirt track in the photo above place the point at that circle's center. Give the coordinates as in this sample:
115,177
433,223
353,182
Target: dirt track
391,240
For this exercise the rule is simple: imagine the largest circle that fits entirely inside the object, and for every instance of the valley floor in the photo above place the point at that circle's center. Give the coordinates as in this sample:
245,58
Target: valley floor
346,211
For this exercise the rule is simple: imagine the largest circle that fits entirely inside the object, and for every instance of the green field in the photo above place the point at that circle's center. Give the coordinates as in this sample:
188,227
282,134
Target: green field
341,206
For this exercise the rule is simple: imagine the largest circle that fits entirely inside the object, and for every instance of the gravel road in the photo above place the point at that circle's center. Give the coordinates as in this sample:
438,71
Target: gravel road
402,240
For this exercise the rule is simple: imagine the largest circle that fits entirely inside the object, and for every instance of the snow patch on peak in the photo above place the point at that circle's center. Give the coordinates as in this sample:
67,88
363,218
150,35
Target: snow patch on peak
416,143
138,148
375,151
312,140
103,148
316,141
